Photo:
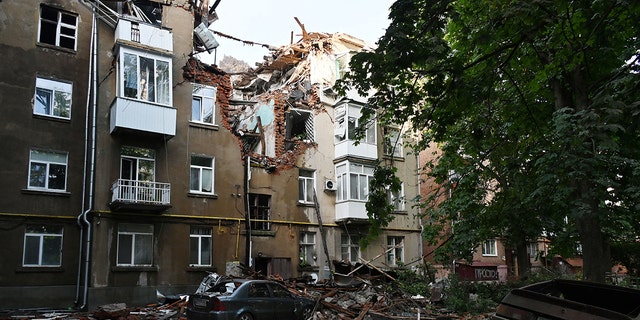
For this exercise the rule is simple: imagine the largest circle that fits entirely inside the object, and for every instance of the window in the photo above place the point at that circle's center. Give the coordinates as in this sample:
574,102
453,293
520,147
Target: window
57,28
137,164
146,78
47,170
42,246
396,198
299,125
532,248
347,121
395,253
308,255
350,246
489,248
259,208
306,185
53,98
392,142
200,246
135,244
201,174
203,104
353,181
342,64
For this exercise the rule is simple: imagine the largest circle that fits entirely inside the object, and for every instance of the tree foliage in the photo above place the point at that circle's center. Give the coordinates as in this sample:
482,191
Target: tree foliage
535,107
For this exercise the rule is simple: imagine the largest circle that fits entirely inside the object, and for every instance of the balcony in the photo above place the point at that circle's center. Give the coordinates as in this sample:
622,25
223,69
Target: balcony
353,211
145,34
142,117
140,195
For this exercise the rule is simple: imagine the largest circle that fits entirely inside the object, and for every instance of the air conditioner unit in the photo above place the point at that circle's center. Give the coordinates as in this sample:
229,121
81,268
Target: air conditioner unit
330,185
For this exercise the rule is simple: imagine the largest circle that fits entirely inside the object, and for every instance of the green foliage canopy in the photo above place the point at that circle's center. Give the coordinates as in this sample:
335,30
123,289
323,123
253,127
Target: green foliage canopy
535,107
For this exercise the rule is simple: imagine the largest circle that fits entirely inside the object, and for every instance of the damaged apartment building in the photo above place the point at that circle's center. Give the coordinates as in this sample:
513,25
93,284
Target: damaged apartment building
133,168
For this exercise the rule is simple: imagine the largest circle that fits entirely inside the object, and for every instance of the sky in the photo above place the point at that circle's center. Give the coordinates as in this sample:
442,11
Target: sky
271,22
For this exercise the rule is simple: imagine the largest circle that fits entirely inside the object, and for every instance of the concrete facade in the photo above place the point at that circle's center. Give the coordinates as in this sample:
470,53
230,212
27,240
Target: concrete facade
155,191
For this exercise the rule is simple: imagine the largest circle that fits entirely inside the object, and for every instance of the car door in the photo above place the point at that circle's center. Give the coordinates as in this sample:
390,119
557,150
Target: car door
260,299
284,301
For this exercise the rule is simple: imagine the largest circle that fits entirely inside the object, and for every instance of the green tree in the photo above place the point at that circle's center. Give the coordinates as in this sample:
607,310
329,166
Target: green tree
534,105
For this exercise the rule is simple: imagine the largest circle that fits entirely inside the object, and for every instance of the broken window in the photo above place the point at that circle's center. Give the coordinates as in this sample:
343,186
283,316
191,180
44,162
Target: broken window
201,174
306,185
144,10
47,170
347,122
203,104
396,199
53,98
392,142
57,28
342,64
200,246
260,208
395,245
308,255
299,127
135,244
145,77
42,246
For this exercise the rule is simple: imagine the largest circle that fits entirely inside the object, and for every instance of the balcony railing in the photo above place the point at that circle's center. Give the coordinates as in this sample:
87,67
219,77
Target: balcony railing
144,195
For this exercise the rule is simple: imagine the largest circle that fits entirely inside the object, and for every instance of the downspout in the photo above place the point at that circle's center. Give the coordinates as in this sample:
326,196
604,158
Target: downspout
82,218
86,152
247,177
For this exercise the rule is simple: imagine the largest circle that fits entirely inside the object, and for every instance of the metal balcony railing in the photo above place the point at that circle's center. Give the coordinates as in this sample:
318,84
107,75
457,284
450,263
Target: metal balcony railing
143,192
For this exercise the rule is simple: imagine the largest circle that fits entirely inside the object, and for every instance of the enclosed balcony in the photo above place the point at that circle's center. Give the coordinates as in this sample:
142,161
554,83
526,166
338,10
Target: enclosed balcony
130,115
138,195
137,33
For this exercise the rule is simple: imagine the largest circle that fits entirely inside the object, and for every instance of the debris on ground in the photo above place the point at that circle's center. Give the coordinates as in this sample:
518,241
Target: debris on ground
354,296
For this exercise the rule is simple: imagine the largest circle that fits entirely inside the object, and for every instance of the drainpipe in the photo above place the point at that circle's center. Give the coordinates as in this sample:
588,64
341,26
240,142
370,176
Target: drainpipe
247,213
82,218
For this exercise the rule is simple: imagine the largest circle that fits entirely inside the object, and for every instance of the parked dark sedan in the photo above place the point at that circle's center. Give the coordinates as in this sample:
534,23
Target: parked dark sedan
242,299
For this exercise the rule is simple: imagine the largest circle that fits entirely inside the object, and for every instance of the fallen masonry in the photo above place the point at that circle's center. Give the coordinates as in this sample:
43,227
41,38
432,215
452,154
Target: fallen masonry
358,298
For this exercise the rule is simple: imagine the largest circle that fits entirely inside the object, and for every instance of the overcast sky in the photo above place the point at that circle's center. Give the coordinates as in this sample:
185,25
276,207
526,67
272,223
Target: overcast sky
271,22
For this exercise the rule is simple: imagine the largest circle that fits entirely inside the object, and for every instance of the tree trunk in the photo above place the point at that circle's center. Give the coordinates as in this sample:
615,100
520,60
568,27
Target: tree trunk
524,264
595,249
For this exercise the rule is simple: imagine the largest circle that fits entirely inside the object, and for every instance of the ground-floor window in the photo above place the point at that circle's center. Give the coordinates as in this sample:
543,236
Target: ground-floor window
135,244
42,246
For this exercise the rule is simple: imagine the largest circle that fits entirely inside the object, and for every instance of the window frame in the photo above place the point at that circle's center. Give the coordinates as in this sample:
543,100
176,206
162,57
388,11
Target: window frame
48,232
60,26
53,88
306,186
392,254
46,175
260,209
199,234
350,245
200,170
347,119
197,94
393,143
490,248
135,231
398,201
144,58
307,251
345,178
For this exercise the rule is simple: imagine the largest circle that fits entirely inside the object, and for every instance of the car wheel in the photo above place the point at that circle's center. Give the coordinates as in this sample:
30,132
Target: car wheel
245,316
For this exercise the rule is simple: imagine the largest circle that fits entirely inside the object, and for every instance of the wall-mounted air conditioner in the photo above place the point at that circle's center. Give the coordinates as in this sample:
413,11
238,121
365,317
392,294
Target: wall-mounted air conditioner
330,185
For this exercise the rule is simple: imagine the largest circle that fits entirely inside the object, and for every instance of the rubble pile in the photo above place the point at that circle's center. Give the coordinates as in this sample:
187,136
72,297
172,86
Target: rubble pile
363,299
